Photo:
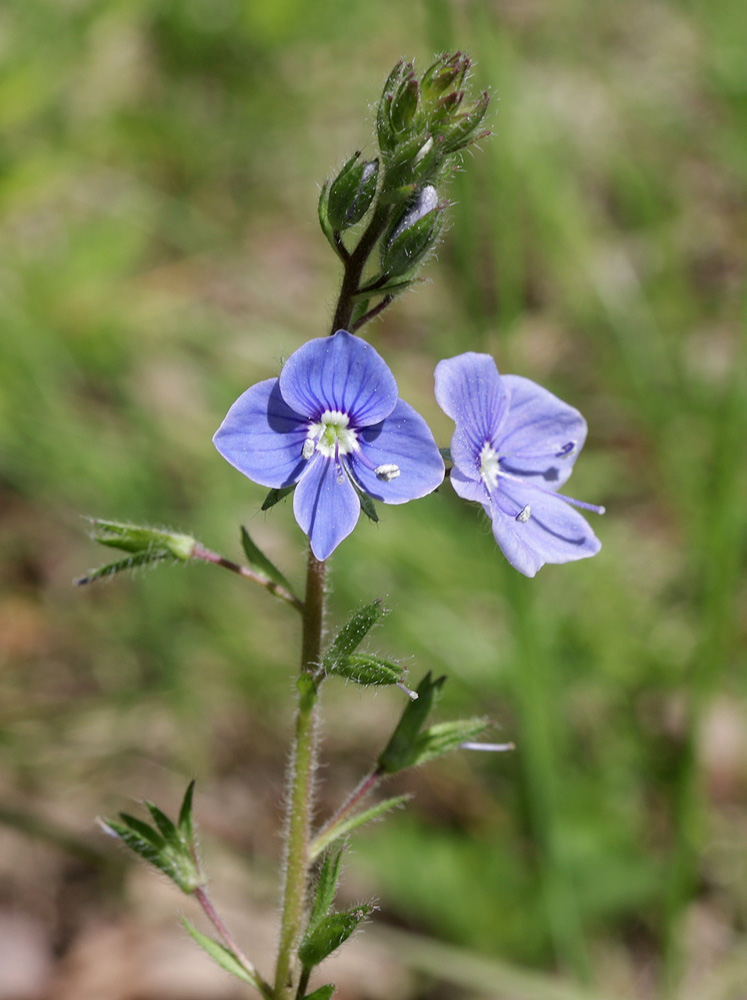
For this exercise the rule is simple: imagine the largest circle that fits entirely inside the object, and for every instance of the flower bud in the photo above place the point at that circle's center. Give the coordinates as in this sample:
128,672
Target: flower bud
413,234
352,192
463,128
447,72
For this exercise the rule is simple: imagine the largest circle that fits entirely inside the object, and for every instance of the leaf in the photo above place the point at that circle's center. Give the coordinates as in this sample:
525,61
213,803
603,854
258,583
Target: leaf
327,935
326,887
275,496
220,954
259,561
353,822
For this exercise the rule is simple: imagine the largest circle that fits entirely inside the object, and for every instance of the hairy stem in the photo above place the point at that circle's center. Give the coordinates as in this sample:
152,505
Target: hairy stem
301,785
354,266
228,940
249,574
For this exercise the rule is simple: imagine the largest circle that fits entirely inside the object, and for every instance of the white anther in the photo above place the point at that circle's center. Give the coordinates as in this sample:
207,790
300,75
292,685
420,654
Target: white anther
309,447
524,514
386,473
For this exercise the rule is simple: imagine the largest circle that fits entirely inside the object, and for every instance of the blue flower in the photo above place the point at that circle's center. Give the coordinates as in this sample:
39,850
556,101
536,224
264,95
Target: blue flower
514,444
333,424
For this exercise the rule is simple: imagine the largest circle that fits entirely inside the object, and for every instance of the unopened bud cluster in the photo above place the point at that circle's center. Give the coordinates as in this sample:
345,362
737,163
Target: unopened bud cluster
421,126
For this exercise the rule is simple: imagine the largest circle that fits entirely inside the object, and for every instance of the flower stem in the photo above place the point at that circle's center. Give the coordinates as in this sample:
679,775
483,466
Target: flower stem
354,266
301,784
228,940
362,790
264,581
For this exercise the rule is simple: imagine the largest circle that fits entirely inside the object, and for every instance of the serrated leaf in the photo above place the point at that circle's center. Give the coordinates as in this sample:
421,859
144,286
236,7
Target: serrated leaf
353,633
353,822
259,561
186,821
275,496
121,565
326,887
220,954
323,993
367,670
327,935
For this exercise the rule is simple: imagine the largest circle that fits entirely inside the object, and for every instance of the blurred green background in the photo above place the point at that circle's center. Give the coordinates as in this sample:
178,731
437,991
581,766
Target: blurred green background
160,162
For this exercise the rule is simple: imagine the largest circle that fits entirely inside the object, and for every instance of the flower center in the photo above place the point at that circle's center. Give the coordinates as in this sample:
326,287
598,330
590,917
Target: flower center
331,436
490,466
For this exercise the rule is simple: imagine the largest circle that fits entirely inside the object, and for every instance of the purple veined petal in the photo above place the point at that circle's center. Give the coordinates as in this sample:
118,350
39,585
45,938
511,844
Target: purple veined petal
549,530
471,392
403,440
542,435
263,437
469,489
342,373
325,505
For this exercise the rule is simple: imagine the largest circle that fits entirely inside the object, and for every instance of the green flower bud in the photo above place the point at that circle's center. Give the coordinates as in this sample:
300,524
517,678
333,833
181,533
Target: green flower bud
352,192
447,72
463,128
413,234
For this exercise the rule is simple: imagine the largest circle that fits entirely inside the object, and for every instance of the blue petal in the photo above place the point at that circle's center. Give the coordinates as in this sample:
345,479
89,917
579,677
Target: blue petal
554,532
341,373
468,488
471,392
404,440
542,435
263,437
325,505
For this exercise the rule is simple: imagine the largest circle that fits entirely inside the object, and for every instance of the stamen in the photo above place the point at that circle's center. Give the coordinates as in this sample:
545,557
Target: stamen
412,695
596,508
309,447
386,473
490,747
524,514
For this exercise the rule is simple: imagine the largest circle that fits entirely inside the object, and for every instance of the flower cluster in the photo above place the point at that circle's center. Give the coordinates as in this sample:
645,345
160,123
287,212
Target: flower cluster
333,427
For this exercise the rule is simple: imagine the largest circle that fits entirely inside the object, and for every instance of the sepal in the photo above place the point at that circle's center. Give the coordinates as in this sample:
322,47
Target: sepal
326,886
346,826
144,546
413,234
169,847
402,749
275,496
326,936
368,670
323,993
352,634
352,192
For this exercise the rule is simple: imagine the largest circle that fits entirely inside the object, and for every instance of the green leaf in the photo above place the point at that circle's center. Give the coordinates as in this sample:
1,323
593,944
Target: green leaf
402,749
275,496
220,954
367,670
353,633
259,561
353,822
326,887
323,993
327,935
186,820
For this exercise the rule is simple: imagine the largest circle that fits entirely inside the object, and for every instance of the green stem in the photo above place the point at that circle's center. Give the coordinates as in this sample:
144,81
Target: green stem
301,785
354,266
